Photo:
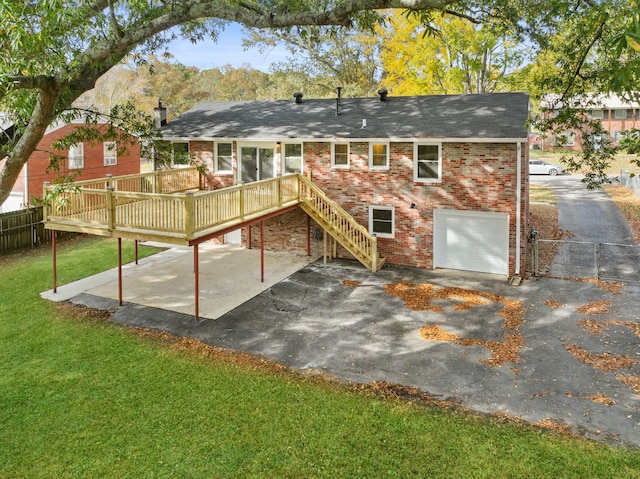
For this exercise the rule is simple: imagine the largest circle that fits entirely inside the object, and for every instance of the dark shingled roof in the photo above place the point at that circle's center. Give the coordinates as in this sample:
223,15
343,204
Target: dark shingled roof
497,115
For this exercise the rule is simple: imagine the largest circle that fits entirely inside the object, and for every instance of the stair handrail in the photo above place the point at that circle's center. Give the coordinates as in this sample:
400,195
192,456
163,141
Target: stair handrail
369,249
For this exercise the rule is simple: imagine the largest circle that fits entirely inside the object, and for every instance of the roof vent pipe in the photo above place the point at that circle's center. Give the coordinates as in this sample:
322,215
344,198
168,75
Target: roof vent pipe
298,97
383,95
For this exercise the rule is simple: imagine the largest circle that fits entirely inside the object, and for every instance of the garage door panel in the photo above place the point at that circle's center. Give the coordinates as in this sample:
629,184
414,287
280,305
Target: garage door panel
471,241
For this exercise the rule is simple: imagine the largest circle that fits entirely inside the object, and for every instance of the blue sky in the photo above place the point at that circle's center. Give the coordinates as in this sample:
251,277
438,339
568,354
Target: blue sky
227,51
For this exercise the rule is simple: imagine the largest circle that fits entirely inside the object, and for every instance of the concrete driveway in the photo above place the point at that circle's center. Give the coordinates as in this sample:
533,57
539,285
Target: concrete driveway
589,214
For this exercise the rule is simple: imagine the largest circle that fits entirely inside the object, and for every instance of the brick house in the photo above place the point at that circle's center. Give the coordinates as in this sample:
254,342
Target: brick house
615,114
86,161
440,180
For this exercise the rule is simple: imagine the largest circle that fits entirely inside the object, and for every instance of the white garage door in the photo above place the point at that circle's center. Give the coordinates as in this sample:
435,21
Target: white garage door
471,241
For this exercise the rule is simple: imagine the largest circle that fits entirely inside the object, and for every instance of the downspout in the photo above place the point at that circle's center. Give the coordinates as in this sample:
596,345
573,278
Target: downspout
519,206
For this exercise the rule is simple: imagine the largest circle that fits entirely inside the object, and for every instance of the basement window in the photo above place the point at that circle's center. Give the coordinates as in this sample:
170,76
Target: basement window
381,221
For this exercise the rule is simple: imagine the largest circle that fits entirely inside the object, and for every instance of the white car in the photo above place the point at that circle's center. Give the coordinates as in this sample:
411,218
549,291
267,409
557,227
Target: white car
539,167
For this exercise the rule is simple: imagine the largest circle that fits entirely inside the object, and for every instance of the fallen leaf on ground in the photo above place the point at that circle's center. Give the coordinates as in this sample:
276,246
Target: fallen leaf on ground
593,326
604,361
630,380
594,307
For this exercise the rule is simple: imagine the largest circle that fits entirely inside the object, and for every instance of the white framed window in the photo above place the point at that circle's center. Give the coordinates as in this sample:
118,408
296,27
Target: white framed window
427,162
382,221
620,114
379,156
224,158
597,114
76,156
180,154
340,155
110,153
291,158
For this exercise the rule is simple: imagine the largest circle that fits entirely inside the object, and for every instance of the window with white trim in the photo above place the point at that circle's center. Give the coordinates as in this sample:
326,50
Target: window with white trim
110,153
379,156
180,156
620,114
339,155
382,221
291,158
76,156
597,114
224,158
427,163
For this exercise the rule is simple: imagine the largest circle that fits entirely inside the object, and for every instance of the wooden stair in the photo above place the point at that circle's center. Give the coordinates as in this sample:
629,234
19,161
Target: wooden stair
336,222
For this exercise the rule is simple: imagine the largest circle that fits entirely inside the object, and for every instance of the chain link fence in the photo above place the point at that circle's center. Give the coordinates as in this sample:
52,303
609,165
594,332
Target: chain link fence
630,179
579,259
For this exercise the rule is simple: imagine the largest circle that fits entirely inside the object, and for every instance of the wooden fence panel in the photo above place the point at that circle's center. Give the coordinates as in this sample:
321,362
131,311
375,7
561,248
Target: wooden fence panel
24,229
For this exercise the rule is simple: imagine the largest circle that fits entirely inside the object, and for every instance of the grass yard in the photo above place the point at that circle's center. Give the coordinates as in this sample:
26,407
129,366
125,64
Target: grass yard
83,398
542,194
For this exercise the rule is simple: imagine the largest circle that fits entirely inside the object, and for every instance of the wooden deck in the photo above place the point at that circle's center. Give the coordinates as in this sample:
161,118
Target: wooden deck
169,206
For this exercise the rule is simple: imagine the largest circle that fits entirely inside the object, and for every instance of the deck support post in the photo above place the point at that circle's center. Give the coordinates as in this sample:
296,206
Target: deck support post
120,271
249,236
55,266
324,247
308,235
262,251
196,273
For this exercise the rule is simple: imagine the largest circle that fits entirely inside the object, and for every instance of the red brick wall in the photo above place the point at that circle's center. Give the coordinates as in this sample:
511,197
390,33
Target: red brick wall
94,167
609,123
476,176
202,152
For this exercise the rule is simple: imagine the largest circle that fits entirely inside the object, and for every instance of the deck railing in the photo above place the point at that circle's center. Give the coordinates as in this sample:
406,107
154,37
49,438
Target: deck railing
116,203
162,181
166,206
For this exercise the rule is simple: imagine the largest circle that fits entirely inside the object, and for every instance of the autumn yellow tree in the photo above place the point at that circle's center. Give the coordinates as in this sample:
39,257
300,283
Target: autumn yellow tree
449,55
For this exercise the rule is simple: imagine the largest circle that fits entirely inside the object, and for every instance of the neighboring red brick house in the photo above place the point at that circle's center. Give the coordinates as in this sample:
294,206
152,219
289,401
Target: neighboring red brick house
614,113
441,180
85,161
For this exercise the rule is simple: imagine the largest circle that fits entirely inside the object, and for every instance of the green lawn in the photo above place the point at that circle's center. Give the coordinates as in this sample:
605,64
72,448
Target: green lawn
542,194
82,398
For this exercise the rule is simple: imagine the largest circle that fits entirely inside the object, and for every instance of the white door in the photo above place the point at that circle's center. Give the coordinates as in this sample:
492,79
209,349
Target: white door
471,241
235,237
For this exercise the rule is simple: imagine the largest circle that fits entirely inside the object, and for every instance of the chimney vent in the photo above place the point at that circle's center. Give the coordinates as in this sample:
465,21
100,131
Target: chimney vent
298,97
160,115
383,95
